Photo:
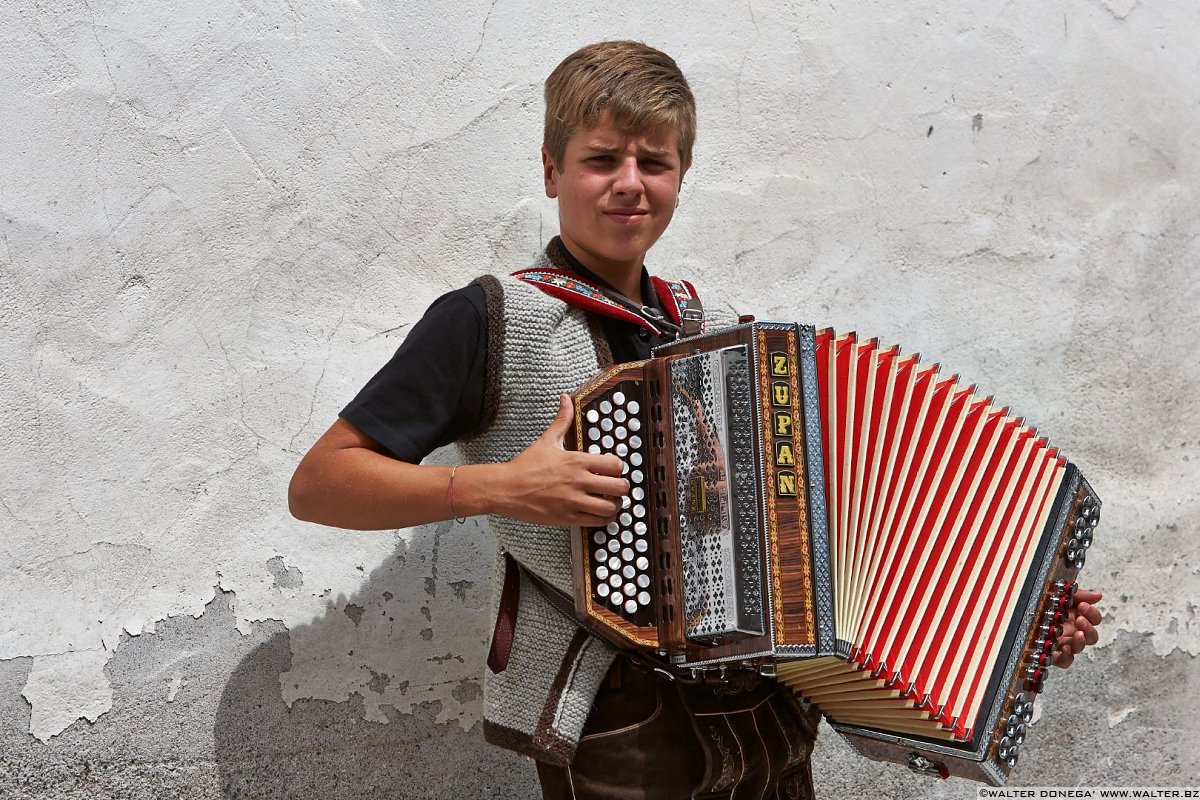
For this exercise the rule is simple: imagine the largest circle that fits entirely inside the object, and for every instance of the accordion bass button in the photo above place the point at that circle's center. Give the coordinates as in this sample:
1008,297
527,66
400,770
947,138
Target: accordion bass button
633,408
618,398
592,415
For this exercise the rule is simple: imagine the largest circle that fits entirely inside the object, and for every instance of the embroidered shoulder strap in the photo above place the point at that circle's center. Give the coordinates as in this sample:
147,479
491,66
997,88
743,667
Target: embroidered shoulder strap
677,297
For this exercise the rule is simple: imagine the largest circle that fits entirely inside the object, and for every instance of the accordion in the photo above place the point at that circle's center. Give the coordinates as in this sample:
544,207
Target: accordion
896,548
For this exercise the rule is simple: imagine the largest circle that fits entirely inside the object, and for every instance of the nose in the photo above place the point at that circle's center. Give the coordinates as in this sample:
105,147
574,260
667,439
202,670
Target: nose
628,179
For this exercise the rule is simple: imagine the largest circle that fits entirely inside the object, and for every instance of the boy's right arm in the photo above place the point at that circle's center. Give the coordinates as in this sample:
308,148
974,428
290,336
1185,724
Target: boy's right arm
347,480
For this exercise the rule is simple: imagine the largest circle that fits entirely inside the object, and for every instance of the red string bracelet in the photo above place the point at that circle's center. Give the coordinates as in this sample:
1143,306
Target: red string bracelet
450,497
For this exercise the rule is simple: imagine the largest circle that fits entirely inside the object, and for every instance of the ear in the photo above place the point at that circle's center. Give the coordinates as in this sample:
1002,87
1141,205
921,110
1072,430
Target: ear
548,176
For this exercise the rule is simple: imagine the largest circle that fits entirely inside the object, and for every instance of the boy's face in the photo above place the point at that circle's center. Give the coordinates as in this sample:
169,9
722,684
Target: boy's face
616,193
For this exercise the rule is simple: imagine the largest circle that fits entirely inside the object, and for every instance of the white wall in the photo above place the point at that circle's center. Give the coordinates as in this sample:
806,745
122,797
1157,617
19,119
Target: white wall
217,219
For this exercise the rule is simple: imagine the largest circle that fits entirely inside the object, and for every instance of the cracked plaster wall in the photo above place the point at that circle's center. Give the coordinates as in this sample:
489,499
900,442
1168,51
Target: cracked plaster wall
218,218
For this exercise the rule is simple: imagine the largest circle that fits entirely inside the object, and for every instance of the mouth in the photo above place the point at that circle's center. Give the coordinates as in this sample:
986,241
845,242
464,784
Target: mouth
626,215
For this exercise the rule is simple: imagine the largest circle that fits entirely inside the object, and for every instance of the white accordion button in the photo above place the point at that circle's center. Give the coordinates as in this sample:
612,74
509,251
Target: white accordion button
638,493
626,537
636,459
606,424
601,555
594,434
598,536
644,598
628,571
601,572
639,511
614,545
635,442
625,519
613,529
592,415
605,407
619,398
643,581
635,424
607,441
627,556
640,545
595,449
617,599
643,563
636,476
631,606
633,407
602,590
622,449
640,528
620,432
614,580
619,415
625,501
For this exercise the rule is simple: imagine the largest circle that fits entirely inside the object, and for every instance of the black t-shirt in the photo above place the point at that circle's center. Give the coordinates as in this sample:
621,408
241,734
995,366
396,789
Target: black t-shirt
431,391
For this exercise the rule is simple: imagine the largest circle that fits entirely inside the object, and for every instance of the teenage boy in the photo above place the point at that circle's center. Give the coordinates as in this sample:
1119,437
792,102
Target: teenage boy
488,367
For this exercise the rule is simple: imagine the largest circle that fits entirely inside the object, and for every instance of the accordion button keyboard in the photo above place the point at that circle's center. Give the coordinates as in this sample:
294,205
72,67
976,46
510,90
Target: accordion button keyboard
620,554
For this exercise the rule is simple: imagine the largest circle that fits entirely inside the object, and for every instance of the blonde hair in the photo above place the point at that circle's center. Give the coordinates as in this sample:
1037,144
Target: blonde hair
641,88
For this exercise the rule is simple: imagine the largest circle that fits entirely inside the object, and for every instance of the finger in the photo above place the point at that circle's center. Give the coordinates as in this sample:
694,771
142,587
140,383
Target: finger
1088,631
1088,596
605,487
1089,612
590,521
597,464
561,423
598,508
1064,658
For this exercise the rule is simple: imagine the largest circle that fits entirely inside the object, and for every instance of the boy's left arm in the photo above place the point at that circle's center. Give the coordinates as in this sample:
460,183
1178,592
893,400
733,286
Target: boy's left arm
1079,630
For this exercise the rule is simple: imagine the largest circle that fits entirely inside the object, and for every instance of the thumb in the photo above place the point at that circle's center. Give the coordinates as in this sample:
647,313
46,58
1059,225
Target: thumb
558,428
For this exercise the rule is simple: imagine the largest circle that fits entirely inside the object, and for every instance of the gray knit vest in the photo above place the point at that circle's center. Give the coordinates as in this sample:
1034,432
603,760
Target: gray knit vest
539,347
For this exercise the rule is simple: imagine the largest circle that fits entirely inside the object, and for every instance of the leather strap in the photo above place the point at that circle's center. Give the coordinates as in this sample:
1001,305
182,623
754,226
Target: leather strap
506,617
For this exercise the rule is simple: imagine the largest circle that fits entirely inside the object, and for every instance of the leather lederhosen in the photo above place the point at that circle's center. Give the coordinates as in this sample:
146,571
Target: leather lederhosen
653,738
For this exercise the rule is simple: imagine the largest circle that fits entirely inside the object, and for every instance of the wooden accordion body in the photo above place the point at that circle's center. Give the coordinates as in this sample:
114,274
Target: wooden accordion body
897,549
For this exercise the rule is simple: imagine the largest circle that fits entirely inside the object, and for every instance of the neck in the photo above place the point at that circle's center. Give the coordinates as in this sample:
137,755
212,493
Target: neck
624,276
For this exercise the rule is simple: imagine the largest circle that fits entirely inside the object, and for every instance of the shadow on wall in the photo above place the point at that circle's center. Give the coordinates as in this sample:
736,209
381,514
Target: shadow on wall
366,646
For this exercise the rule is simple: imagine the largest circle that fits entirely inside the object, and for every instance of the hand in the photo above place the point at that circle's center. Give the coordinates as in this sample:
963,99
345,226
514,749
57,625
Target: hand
1079,629
547,484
